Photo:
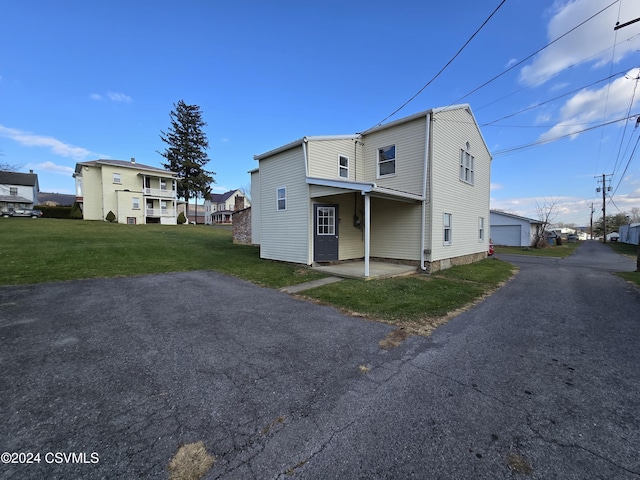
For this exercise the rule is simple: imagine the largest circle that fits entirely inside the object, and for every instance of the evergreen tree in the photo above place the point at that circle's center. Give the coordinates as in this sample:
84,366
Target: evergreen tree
186,151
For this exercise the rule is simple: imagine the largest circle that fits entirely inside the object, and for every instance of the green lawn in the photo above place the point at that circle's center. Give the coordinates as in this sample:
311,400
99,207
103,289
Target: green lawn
630,251
47,250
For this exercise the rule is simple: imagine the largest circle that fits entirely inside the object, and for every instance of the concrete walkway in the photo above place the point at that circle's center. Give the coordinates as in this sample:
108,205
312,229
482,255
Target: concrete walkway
308,285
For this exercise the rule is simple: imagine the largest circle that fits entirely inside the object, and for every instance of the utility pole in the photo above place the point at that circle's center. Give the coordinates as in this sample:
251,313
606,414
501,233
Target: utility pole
604,189
591,221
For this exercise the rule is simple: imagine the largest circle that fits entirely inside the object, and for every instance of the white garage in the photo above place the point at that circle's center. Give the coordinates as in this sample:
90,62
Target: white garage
513,230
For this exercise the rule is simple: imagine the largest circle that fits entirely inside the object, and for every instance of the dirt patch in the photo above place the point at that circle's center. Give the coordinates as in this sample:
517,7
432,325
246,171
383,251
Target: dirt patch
393,339
364,369
518,464
191,462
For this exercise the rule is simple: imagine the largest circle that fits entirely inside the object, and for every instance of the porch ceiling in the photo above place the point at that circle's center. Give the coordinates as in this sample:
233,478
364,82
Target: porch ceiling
342,187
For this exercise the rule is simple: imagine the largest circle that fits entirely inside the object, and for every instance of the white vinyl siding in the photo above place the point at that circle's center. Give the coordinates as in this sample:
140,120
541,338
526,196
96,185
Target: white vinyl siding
395,229
409,139
255,207
451,131
324,154
284,235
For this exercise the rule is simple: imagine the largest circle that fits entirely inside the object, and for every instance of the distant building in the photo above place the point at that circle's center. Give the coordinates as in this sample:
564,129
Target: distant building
18,190
135,193
219,207
56,199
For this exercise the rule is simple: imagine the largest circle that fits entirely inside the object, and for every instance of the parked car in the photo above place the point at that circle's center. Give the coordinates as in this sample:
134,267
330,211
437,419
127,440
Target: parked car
23,213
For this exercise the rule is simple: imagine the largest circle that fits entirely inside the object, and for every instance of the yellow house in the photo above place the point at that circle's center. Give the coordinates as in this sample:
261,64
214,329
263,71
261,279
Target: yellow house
135,193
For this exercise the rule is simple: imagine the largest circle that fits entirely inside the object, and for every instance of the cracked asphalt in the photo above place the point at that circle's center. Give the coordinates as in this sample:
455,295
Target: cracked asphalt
540,380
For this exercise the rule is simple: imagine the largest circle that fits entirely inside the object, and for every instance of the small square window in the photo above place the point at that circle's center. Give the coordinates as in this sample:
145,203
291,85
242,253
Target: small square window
13,191
281,197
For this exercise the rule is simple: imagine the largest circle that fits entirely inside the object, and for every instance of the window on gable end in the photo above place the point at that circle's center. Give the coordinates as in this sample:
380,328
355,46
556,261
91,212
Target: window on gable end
466,165
343,166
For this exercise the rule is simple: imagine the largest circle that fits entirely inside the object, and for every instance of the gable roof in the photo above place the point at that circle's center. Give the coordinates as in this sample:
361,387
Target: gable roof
517,217
377,128
124,164
221,197
15,178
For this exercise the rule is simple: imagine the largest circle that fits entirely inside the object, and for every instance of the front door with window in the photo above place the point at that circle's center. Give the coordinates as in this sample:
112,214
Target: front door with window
325,237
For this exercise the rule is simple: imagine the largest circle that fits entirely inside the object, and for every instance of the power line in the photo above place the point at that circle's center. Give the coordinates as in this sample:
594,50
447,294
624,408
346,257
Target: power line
534,53
441,70
508,151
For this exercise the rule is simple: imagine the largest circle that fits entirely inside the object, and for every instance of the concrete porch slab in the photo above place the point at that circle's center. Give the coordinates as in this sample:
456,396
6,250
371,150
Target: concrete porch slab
377,270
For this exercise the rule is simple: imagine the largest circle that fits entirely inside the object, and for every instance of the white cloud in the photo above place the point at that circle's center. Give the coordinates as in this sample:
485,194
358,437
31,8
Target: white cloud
119,97
51,167
113,96
56,146
590,43
496,186
586,108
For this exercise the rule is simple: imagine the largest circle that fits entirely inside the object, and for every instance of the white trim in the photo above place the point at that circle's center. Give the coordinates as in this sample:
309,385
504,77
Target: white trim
395,161
444,228
364,187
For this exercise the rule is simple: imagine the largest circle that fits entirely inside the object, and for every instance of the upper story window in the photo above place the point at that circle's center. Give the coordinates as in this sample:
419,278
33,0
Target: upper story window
387,161
117,178
466,165
343,166
13,191
163,184
281,195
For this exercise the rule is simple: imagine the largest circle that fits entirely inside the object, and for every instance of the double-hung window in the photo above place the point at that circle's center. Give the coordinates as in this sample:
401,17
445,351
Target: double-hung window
466,166
447,229
480,229
135,203
281,198
387,161
343,166
13,191
117,178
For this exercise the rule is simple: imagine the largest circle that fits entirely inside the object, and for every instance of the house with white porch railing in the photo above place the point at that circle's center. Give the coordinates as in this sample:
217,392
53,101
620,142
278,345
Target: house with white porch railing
134,192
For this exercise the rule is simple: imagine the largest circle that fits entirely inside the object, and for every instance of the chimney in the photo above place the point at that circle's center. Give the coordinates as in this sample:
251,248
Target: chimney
31,171
239,203
133,160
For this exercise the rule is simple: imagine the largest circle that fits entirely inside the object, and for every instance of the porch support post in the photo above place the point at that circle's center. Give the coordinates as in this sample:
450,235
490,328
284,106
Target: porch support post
367,232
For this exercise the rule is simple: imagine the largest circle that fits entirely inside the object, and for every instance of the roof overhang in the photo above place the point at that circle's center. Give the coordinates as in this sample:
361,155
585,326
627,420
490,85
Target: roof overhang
370,188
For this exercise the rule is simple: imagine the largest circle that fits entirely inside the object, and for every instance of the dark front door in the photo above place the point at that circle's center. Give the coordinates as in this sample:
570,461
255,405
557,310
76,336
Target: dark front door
325,237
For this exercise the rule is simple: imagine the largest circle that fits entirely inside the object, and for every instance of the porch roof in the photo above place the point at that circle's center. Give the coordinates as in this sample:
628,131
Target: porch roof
344,186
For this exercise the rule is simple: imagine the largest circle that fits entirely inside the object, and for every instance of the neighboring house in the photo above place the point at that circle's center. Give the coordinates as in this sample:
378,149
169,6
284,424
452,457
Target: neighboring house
630,233
413,191
513,230
195,214
18,190
135,193
219,207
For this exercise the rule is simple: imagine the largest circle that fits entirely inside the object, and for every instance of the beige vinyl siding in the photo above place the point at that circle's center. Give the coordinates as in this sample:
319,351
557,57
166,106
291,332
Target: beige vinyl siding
256,214
92,194
395,229
284,235
323,158
451,130
350,238
409,139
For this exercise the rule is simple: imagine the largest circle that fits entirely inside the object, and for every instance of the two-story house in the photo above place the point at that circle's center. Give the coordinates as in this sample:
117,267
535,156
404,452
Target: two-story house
18,190
219,207
135,193
412,191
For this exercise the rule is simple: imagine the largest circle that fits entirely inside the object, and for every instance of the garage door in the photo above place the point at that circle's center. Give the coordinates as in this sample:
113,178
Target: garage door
506,235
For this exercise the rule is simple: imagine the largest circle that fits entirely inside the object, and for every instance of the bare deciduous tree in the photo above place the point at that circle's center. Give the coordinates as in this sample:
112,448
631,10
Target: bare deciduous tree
547,214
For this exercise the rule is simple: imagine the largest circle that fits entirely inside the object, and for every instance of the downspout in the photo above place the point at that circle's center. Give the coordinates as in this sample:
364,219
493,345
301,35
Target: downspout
306,157
427,164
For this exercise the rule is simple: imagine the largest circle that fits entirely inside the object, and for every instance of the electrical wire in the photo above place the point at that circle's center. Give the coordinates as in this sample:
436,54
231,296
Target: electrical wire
441,70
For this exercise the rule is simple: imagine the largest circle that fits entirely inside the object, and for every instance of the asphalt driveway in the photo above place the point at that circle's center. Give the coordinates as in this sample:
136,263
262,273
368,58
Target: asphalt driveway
541,380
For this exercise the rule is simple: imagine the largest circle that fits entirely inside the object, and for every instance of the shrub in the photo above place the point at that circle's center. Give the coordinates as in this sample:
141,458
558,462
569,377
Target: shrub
54,212
181,218
110,216
76,211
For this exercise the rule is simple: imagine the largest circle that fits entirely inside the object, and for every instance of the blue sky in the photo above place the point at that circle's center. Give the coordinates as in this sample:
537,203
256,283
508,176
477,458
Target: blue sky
87,80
